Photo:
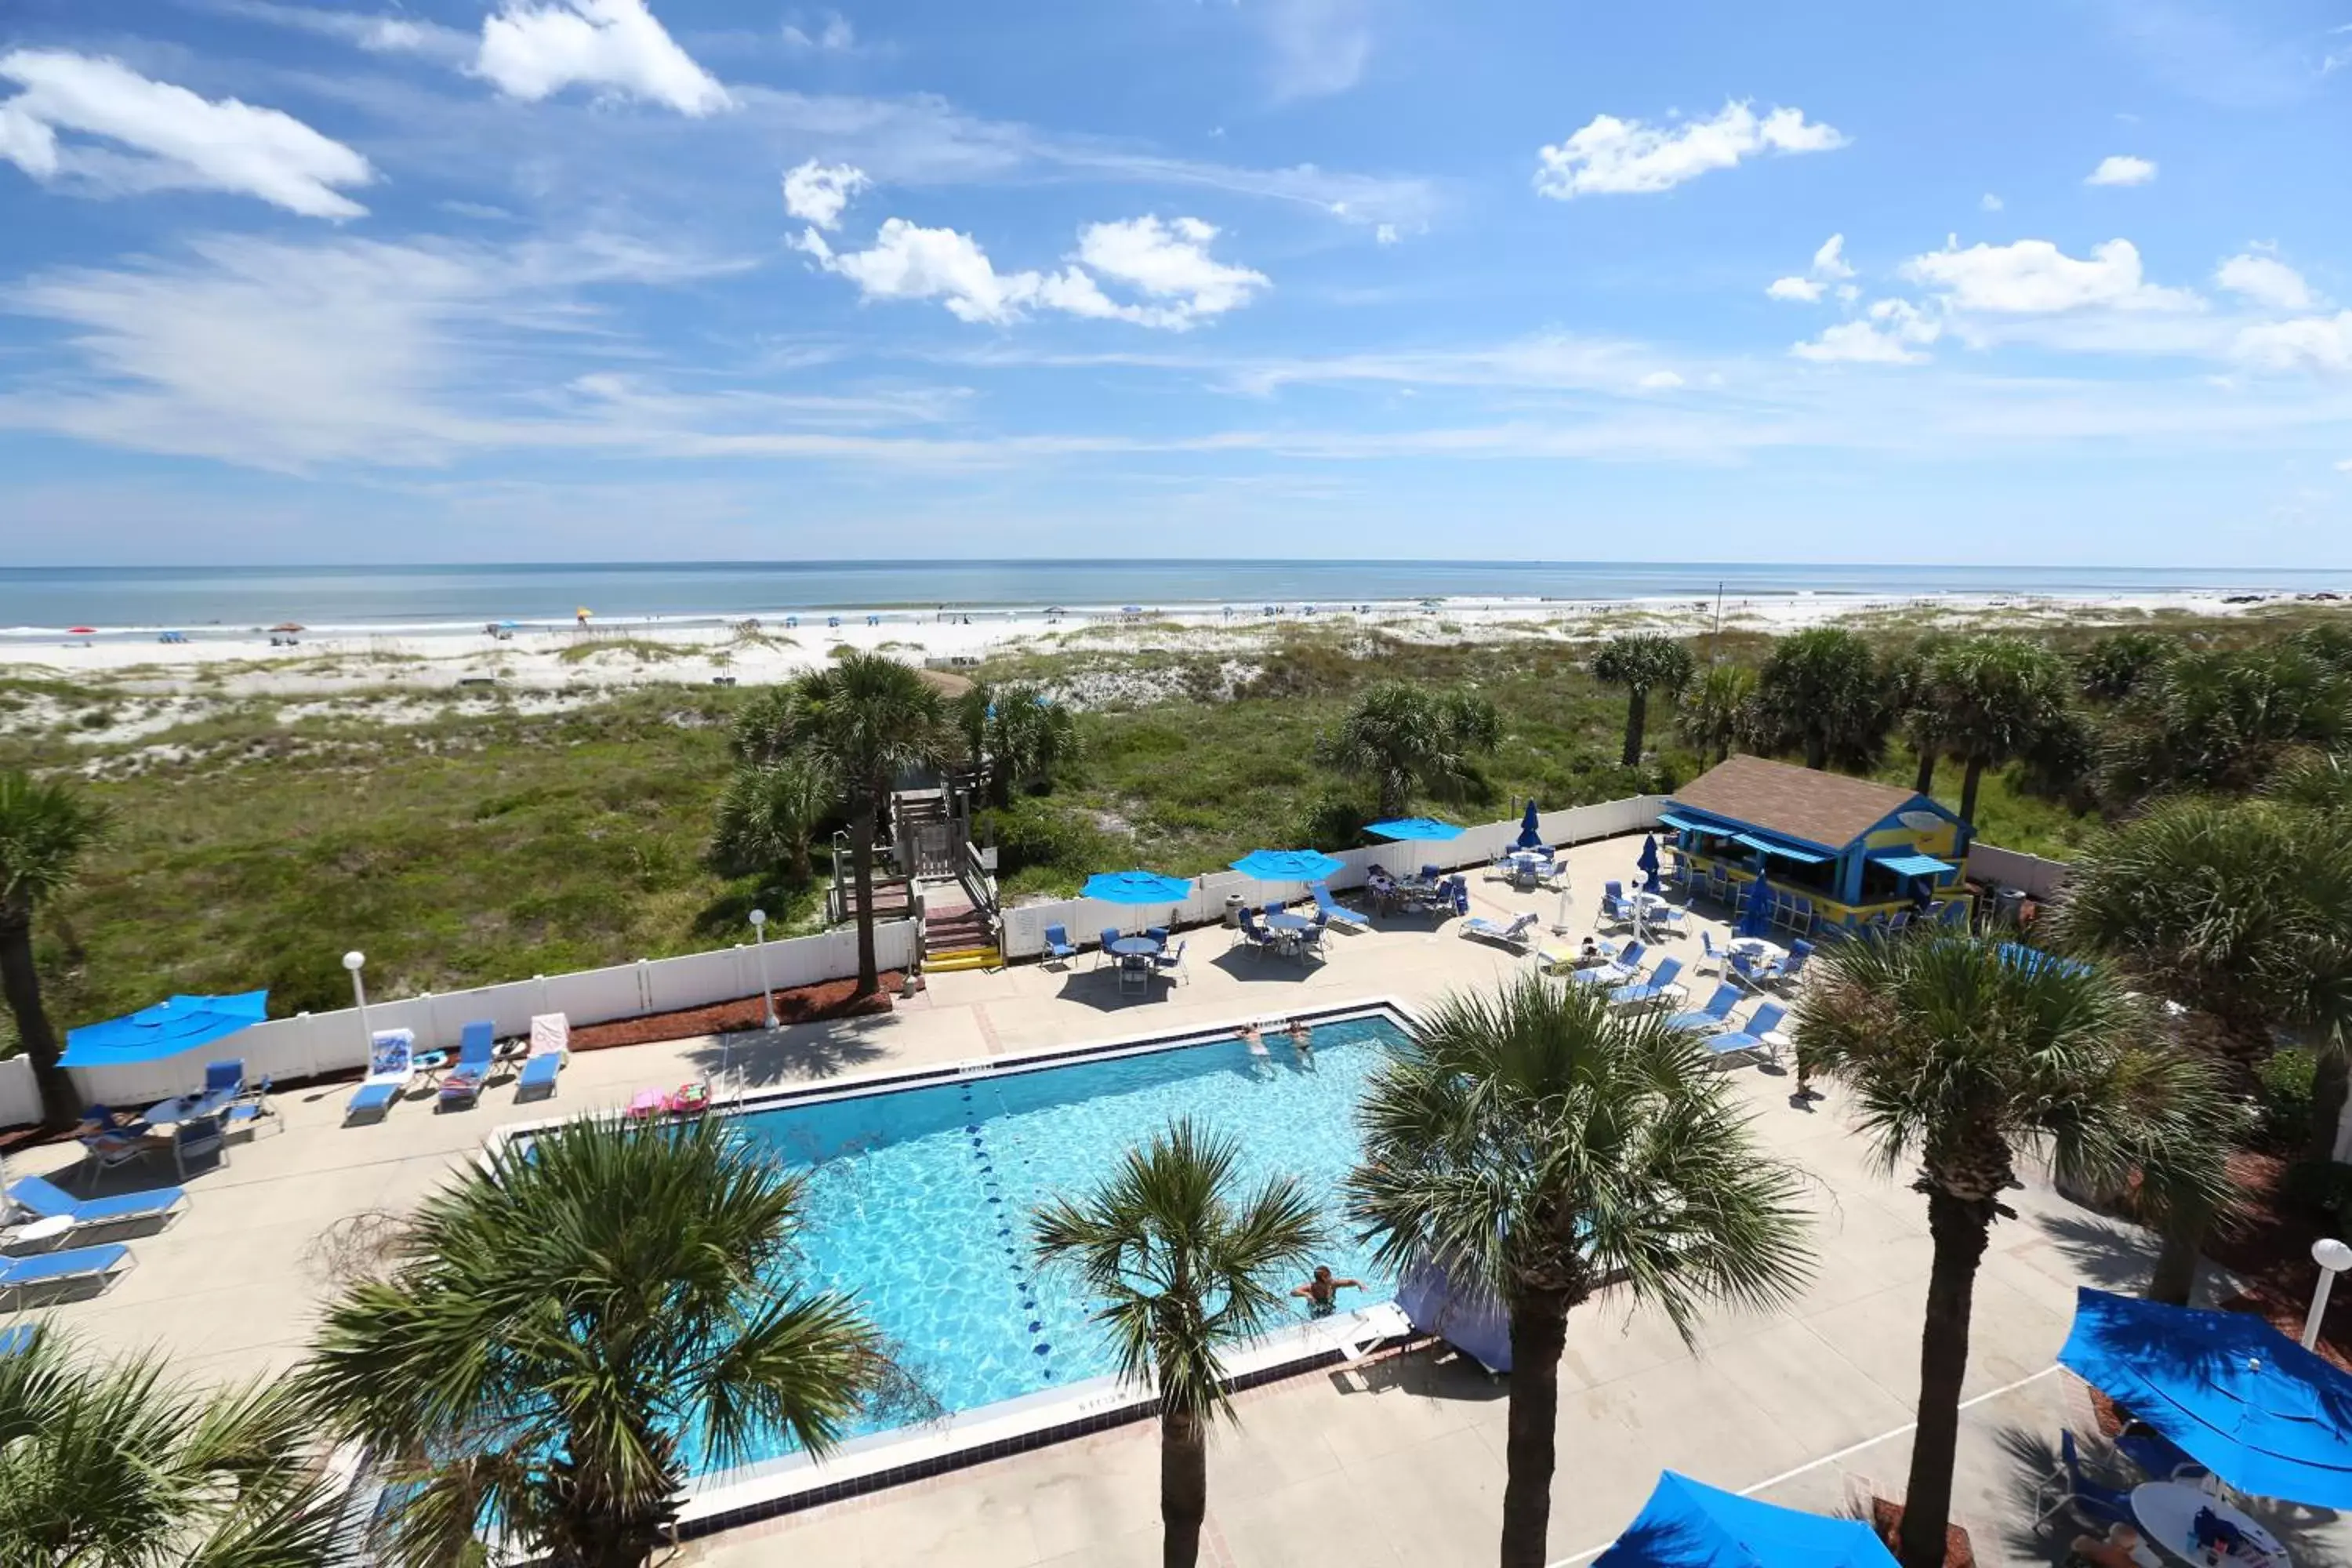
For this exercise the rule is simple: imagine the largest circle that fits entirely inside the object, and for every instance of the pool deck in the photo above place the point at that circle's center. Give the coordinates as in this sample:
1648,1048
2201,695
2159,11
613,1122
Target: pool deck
1395,1462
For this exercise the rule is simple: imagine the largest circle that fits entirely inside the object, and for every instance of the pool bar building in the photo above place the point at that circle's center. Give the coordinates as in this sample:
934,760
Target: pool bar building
1857,852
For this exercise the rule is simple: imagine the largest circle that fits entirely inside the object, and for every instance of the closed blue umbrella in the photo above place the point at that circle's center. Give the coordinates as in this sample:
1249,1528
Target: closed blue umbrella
1687,1524
1757,917
1530,831
164,1030
1136,887
1414,829
1648,861
2264,1415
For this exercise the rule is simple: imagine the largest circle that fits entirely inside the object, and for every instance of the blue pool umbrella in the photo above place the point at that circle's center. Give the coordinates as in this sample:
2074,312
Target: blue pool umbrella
1687,1524
165,1029
1648,861
1414,829
1289,865
1757,917
1530,831
2262,1413
1136,887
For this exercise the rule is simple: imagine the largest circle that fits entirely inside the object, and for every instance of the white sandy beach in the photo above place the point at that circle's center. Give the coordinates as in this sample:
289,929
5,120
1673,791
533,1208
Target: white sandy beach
567,657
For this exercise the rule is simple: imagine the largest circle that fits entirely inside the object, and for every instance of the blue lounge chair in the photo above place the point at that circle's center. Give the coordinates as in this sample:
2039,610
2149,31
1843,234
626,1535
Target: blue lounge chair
1333,910
17,1339
1752,1037
390,1066
476,1053
1614,972
1711,1018
1649,993
1517,936
551,1044
44,1199
1059,949
55,1270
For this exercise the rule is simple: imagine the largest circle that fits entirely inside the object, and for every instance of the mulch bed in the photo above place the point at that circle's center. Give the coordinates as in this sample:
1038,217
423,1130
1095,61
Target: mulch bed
800,1004
1886,1518
2267,1244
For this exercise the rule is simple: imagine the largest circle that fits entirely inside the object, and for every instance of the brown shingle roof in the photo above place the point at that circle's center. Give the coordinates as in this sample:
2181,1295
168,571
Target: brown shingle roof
1819,807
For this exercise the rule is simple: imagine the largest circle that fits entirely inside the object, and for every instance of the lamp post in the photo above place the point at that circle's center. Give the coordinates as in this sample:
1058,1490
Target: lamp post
760,942
354,961
2333,1258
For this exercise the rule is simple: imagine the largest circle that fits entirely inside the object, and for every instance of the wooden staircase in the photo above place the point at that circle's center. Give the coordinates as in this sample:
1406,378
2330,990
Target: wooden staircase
956,935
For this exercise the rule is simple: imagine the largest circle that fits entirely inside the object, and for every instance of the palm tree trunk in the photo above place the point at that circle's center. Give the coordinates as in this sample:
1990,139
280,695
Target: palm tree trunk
1637,719
2331,1076
861,872
1958,1228
1538,1335
2174,1278
1817,752
1183,1488
20,982
1969,782
1926,782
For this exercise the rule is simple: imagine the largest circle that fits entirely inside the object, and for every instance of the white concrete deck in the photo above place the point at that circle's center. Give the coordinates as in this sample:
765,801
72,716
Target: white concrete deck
1396,1463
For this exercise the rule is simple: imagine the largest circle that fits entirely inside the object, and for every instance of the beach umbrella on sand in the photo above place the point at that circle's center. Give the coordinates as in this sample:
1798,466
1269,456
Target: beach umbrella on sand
81,631
288,627
1648,861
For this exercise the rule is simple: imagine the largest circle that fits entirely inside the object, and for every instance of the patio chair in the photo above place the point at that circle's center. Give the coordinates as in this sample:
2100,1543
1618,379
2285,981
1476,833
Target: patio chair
250,1108
1310,942
1752,1037
1714,1017
1333,910
1615,912
57,1271
1058,946
1157,933
551,1047
391,1065
1432,873
1170,962
1252,934
1747,972
1659,987
224,1078
1709,955
1518,936
102,1151
1799,951
2157,1455
41,1198
2099,1506
1616,972
196,1137
1102,949
476,1056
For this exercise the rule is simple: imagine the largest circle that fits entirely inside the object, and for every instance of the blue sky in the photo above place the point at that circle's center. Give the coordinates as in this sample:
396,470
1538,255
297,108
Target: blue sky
2063,282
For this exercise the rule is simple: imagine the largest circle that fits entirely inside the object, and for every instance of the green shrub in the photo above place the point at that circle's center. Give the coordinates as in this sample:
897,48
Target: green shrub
1332,820
1036,833
2284,1110
2324,1187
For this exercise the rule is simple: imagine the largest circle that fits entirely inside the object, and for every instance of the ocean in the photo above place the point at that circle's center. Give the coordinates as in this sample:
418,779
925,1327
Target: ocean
45,601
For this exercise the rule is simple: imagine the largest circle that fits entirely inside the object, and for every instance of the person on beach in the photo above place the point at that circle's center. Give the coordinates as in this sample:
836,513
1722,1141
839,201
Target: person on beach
1322,1293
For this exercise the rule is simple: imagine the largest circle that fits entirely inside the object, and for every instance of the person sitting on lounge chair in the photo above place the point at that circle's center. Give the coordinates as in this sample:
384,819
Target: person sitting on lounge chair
1322,1293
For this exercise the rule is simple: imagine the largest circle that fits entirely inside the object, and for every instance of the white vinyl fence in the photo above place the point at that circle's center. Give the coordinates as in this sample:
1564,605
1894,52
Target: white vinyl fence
2038,879
20,1099
314,1043
1024,928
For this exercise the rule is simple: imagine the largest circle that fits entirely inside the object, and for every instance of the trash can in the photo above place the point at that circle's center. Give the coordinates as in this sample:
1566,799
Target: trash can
1233,912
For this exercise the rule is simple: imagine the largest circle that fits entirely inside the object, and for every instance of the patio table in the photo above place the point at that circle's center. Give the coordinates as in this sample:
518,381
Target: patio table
429,1065
1135,947
2166,1512
1288,928
187,1107
1756,950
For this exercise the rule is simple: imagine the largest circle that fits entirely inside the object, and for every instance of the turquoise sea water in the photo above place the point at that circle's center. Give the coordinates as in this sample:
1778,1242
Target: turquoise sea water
919,1199
47,600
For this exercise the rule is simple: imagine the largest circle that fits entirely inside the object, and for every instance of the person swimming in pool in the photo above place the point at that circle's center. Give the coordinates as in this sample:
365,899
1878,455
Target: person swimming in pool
1301,1036
1253,1039
1322,1293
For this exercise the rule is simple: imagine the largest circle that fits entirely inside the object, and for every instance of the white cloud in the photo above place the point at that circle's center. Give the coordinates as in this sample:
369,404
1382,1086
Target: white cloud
2034,276
376,34
1384,234
2121,169
1660,380
2265,280
2344,466
2308,343
1613,156
174,139
1894,333
907,261
816,193
532,52
1319,46
835,36
1802,291
1989,202
1168,261
1830,261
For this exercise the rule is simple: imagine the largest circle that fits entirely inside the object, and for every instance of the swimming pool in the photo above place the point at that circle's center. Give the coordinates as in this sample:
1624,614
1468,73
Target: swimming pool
919,1198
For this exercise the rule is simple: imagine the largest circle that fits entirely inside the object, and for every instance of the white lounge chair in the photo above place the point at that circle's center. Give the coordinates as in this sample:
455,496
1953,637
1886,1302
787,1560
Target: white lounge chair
390,1066
550,1047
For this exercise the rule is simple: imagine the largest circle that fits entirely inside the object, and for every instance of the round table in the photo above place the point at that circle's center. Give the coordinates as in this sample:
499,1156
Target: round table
2165,1511
43,1232
1135,947
428,1062
183,1107
1292,923
1756,950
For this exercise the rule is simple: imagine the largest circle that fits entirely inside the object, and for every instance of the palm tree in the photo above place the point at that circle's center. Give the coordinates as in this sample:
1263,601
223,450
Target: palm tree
1403,737
1184,1266
1906,674
2241,912
1718,710
565,1324
2224,721
2318,781
2117,665
1993,697
861,722
1537,1143
109,1464
1641,662
46,832
1821,693
1022,735
1962,1057
766,813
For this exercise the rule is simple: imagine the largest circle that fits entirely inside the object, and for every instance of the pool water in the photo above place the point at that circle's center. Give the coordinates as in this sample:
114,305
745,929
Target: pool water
919,1199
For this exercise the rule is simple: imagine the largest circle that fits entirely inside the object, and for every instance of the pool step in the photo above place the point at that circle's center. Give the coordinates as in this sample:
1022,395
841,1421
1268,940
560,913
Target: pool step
964,958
